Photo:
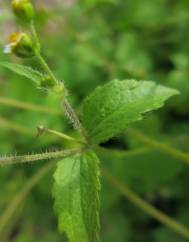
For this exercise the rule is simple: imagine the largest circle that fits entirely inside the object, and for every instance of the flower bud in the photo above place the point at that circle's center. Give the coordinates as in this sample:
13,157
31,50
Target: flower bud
21,45
23,9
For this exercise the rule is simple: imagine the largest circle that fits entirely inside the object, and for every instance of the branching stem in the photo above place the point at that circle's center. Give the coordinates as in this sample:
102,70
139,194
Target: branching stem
42,130
71,114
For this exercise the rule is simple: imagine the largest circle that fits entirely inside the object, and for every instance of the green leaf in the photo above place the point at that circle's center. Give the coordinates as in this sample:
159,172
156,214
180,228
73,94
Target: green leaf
76,188
25,71
112,107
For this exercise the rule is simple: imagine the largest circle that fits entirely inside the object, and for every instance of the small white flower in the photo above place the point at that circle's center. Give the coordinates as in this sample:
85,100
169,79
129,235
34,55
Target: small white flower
7,49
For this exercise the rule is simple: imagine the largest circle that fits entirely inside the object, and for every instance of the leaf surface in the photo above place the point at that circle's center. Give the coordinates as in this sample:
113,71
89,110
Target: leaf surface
112,107
76,189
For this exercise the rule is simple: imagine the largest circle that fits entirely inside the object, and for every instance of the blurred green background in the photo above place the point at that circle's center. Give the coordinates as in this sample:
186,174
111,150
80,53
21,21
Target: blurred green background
88,43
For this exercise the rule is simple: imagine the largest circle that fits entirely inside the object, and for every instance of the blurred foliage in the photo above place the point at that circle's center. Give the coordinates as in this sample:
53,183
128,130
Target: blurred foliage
88,43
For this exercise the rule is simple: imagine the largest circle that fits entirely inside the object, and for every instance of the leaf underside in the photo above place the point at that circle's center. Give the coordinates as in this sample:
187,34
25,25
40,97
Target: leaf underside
75,190
112,107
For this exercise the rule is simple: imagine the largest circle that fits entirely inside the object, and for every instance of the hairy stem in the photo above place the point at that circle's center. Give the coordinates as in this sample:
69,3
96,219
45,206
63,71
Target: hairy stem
70,112
40,108
36,157
146,207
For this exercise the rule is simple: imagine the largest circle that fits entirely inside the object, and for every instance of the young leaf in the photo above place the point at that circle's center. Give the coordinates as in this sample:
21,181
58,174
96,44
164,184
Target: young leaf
76,188
110,108
25,71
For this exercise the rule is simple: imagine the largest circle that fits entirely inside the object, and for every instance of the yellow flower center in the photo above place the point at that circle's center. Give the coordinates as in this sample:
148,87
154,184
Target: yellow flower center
15,37
18,3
